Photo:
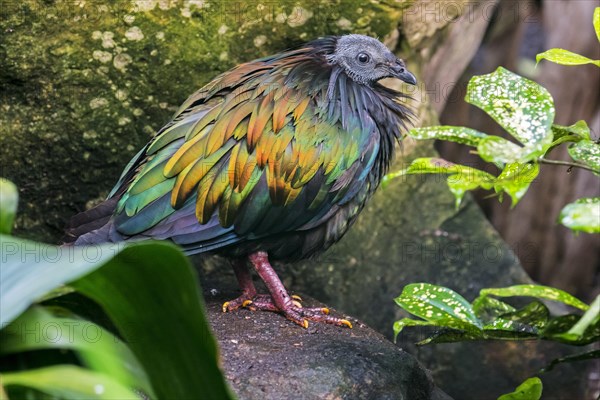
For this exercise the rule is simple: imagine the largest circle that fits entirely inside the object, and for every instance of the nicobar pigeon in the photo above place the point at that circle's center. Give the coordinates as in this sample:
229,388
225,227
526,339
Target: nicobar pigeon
272,160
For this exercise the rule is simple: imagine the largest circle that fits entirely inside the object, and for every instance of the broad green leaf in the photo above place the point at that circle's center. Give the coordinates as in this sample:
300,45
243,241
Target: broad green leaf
586,152
428,165
535,314
148,290
515,180
531,389
500,151
45,328
459,184
150,293
456,134
539,291
597,22
582,215
559,326
448,335
438,305
590,335
522,107
9,200
565,57
461,177
69,382
591,315
404,322
573,133
588,355
488,308
29,270
441,166
511,329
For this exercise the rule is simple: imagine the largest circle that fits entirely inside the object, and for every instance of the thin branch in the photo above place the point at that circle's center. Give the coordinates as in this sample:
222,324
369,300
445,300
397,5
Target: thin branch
542,160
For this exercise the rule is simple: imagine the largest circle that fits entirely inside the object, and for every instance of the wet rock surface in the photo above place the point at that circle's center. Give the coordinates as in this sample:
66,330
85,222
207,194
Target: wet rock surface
268,357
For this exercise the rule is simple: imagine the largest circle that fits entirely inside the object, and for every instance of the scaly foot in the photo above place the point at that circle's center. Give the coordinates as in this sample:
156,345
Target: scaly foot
295,312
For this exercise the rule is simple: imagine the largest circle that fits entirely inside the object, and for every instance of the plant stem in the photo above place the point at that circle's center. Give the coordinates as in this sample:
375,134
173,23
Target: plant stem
542,160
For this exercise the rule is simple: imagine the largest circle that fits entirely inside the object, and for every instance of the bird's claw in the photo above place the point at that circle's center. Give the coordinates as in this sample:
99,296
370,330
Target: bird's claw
243,301
226,306
293,311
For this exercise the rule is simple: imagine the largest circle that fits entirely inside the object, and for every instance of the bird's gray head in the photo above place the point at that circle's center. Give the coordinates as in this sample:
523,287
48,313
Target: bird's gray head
366,60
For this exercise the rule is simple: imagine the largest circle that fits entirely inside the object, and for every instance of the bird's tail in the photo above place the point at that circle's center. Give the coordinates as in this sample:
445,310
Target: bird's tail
89,221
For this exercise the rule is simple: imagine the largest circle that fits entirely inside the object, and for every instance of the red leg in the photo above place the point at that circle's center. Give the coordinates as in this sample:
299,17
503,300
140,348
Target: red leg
244,279
283,302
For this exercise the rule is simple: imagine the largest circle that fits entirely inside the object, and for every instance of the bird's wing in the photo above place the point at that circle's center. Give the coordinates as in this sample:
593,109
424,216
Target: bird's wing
264,156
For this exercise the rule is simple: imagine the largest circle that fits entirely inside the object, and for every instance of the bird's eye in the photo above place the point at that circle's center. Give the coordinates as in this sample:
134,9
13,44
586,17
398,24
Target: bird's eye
363,58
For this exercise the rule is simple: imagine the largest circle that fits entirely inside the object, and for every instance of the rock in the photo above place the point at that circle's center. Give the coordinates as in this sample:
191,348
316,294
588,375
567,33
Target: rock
265,356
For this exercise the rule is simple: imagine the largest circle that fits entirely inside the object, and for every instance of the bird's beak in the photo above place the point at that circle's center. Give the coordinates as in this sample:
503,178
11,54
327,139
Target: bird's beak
399,71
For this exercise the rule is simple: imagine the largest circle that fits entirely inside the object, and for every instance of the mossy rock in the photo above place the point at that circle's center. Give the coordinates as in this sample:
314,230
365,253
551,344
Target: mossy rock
85,84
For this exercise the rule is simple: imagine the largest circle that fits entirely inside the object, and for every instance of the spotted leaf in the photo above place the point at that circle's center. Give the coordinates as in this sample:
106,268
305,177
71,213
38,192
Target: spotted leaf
522,107
439,306
588,153
456,134
539,291
582,215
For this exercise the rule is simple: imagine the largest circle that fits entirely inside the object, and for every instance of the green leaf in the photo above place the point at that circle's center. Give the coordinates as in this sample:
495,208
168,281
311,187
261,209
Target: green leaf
588,355
150,293
565,57
29,270
535,314
69,382
576,132
558,329
591,316
488,308
597,22
404,322
582,215
456,134
500,151
439,306
515,180
9,200
45,328
502,328
463,177
448,335
586,152
539,291
460,183
441,166
559,325
531,389
522,107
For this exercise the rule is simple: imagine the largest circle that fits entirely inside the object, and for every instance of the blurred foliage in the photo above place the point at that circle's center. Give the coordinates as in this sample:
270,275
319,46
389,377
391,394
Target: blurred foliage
130,325
566,57
9,197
